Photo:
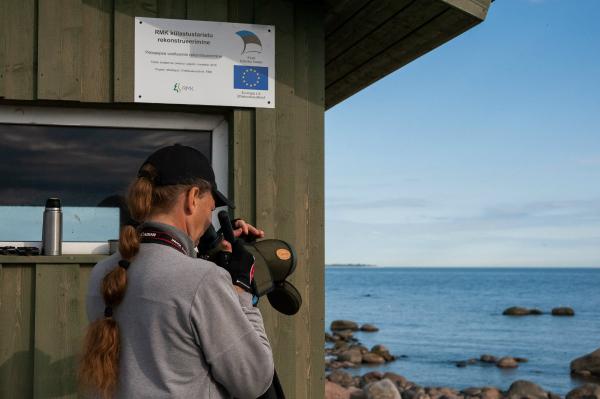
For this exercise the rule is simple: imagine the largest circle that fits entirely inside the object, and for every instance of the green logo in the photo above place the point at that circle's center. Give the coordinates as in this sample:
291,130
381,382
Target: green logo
177,87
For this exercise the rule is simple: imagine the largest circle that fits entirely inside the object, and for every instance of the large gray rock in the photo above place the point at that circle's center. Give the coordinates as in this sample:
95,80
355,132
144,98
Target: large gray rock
588,365
335,391
368,328
488,358
372,358
400,381
339,325
490,393
563,311
520,311
383,352
587,391
370,377
341,377
507,363
384,389
525,389
351,355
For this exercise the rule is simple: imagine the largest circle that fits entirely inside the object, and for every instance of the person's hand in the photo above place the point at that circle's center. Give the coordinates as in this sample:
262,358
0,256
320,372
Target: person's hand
246,230
239,263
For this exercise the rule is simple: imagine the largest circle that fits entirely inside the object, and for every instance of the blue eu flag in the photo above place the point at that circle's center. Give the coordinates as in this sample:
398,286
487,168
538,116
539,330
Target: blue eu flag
250,77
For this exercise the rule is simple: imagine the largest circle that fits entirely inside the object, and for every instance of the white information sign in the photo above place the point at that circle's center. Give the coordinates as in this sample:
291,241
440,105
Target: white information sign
201,62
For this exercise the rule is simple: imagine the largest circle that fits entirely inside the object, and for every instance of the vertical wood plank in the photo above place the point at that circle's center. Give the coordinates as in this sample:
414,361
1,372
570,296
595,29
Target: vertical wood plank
16,331
207,10
310,190
241,11
175,9
84,277
96,51
57,330
242,164
125,12
59,49
18,49
275,175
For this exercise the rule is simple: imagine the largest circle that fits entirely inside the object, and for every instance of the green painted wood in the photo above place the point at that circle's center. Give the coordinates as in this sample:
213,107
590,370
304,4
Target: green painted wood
84,278
125,12
309,203
372,41
63,259
174,9
364,22
16,331
57,330
207,10
59,49
96,51
241,11
243,143
18,49
438,30
275,172
338,12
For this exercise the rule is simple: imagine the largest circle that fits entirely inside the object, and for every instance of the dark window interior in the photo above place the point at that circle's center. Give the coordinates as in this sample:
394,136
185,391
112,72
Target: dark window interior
80,165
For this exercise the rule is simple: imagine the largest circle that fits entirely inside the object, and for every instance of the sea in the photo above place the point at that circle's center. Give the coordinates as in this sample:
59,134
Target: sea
433,317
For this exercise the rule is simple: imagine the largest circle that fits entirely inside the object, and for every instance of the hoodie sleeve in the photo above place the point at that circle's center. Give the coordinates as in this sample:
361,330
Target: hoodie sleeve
231,335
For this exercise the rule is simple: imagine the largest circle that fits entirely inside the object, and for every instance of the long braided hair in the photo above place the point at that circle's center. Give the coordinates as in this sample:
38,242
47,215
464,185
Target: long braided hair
99,365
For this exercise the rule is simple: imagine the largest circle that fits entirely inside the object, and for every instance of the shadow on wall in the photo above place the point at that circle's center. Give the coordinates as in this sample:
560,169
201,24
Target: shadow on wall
28,375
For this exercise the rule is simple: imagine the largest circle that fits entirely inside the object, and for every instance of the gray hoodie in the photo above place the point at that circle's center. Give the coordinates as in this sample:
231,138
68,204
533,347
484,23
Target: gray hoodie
185,332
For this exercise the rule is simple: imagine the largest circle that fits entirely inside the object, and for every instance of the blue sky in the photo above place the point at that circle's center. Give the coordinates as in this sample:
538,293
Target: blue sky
484,152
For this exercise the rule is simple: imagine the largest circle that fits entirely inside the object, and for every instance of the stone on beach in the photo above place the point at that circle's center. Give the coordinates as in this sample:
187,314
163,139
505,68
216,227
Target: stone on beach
383,352
520,311
341,377
563,311
587,391
335,391
488,359
587,366
338,325
525,389
351,355
372,358
368,328
507,362
384,389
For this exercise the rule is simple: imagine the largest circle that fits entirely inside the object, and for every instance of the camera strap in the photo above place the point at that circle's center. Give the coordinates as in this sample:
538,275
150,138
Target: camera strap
153,236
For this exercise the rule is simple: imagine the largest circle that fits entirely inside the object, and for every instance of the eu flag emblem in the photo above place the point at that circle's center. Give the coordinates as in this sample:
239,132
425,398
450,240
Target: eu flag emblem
250,77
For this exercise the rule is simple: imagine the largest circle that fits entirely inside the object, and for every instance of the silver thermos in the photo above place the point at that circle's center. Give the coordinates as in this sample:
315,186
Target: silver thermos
52,228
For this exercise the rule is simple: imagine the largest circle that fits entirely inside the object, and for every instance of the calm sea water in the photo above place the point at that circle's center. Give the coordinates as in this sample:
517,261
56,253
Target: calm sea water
437,316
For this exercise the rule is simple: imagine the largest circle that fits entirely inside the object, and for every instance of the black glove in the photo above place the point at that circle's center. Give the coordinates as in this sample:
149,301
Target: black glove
240,265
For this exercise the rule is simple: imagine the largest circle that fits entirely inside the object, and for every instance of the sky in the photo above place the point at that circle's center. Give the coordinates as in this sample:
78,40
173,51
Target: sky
483,152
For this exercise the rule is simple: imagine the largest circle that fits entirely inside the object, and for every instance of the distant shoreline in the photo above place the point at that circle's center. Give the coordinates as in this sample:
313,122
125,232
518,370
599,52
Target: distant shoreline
349,265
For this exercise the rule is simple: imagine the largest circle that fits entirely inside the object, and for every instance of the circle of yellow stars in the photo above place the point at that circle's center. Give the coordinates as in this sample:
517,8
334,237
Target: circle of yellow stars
248,84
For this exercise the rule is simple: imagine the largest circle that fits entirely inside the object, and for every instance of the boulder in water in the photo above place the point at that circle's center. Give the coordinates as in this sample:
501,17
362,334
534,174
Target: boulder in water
384,389
350,355
520,311
370,377
335,391
525,389
368,328
587,391
507,363
339,325
490,393
372,358
341,377
563,311
587,366
488,359
383,352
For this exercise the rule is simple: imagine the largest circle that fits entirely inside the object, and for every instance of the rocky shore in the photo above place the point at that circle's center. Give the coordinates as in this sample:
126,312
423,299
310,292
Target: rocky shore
344,351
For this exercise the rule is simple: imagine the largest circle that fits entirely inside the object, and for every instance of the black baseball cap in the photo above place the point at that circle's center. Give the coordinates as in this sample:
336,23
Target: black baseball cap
180,164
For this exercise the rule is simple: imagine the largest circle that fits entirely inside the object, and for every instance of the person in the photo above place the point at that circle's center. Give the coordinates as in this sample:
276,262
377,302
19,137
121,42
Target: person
164,323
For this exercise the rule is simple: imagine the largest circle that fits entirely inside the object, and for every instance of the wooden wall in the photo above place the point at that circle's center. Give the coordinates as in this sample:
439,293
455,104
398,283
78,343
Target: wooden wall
80,51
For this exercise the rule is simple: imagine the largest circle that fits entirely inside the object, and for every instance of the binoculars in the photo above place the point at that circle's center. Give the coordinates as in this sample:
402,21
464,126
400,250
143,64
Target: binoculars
275,260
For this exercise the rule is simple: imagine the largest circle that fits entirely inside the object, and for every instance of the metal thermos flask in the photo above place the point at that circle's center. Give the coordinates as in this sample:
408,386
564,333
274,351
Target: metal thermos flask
52,228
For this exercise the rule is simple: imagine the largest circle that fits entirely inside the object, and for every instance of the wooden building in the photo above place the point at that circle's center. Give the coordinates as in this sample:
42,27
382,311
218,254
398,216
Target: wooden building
70,63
